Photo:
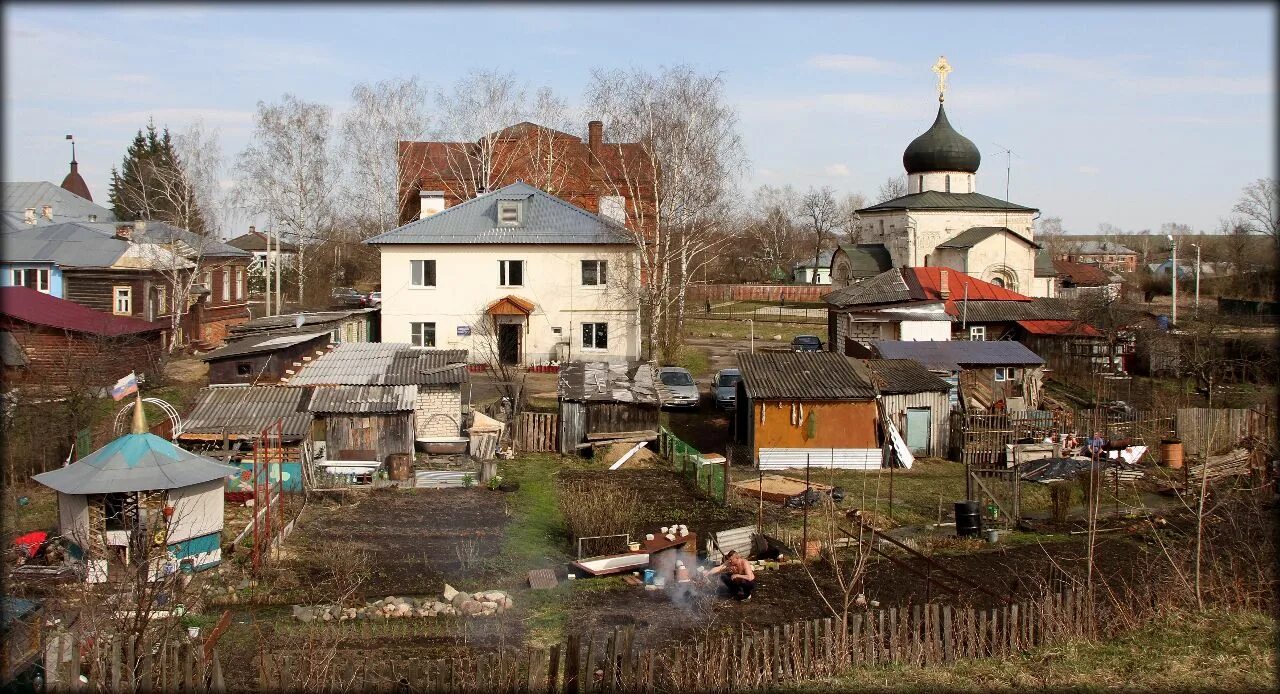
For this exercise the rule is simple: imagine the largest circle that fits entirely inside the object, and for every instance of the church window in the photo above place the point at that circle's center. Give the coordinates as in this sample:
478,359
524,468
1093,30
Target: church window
948,179
920,183
882,227
998,281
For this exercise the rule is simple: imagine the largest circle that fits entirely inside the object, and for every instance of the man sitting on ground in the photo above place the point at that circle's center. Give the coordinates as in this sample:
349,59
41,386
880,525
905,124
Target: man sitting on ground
738,576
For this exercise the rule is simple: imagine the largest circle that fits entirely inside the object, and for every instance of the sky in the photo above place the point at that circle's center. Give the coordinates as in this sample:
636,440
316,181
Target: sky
1130,115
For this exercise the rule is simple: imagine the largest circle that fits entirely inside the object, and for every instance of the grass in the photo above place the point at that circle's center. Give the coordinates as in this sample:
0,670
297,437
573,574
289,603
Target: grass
1214,651
40,511
741,329
695,360
537,535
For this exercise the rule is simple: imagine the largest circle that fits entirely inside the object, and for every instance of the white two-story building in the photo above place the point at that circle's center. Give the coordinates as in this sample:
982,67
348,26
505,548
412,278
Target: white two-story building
515,276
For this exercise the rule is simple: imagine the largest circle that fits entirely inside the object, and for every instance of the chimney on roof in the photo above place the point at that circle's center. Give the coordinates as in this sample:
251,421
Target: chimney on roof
253,229
47,212
944,285
430,202
29,215
124,232
595,136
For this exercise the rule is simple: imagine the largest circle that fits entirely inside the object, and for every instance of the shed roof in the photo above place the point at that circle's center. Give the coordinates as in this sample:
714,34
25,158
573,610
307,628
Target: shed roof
38,308
598,381
805,376
134,463
916,284
86,244
954,356
898,376
257,344
257,241
247,410
1059,327
384,363
544,219
867,259
1006,311
363,399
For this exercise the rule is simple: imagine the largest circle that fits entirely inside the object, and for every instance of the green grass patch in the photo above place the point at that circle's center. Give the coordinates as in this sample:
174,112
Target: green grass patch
39,512
741,329
536,535
695,360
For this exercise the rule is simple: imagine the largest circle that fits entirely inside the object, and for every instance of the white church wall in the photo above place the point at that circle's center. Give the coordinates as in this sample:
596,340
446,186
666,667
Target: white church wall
999,255
960,182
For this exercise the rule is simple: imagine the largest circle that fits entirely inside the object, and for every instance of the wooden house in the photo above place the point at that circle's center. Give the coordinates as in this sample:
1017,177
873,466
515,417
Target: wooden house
599,397
807,408
991,375
264,359
363,422
917,403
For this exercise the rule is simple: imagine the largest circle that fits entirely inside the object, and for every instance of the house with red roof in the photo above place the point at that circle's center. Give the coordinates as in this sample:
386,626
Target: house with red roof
53,344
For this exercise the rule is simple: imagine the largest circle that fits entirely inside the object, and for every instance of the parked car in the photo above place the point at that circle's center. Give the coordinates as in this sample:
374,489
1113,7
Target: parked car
681,386
346,297
806,343
725,387
374,299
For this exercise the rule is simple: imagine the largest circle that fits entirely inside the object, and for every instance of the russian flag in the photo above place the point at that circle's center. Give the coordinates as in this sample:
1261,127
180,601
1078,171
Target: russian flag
125,386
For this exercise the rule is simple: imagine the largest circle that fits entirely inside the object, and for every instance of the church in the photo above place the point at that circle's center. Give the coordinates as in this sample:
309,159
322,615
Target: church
943,221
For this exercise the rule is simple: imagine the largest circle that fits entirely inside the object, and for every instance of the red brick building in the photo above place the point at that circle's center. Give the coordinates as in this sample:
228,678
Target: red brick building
598,176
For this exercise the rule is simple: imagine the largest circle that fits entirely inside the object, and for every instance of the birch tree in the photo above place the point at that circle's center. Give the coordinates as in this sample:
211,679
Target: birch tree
290,173
774,228
677,183
384,114
893,187
821,216
1259,205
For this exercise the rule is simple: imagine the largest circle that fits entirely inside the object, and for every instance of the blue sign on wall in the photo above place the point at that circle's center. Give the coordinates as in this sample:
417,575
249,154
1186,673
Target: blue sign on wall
464,330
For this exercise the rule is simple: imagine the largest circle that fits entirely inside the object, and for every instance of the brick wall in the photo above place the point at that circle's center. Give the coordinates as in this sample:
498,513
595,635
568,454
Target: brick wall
790,293
439,411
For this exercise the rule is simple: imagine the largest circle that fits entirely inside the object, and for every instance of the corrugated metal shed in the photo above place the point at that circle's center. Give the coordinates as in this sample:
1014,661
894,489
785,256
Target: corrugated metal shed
289,321
1004,311
886,287
598,381
953,356
895,376
362,399
805,376
247,410
256,344
544,219
384,363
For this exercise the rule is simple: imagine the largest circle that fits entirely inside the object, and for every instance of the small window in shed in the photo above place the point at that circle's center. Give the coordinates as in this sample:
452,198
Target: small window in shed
243,368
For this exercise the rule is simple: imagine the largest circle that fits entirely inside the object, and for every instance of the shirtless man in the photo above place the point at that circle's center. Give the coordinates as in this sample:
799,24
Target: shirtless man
737,575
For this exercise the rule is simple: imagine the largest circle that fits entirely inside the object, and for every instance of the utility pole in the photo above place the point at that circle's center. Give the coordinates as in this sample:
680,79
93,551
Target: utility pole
266,273
279,296
1174,269
1197,247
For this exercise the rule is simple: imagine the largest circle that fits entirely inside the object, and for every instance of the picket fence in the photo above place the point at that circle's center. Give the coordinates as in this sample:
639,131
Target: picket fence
776,657
536,432
113,665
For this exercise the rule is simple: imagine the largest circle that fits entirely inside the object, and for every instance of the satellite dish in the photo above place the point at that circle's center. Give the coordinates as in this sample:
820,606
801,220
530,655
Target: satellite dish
299,320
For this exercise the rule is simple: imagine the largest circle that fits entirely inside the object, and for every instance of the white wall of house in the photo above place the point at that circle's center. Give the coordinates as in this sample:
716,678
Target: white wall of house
1000,256
197,510
925,330
804,275
467,280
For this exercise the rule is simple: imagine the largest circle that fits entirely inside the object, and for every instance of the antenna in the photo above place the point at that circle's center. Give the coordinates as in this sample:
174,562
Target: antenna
1008,173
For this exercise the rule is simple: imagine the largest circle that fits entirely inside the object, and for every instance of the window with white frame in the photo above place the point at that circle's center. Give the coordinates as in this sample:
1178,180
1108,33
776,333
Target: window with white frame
1000,376
977,333
122,304
226,285
239,283
511,273
422,273
32,278
509,213
595,335
422,334
594,273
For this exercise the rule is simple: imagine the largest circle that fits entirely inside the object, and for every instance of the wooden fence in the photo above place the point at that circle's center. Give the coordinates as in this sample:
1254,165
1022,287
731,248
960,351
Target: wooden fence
1220,428
771,293
113,665
980,439
536,432
778,657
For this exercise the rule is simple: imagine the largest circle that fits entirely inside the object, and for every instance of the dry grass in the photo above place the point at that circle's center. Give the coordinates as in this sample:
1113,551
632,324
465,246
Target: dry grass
591,509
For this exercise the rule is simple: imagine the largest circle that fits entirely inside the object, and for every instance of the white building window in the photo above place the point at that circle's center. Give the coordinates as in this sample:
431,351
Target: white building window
422,334
226,284
32,278
594,273
999,373
239,283
509,213
511,273
123,301
595,336
977,333
422,273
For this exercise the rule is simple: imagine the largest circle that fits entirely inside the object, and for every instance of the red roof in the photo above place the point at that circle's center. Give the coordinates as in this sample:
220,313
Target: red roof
926,282
35,307
1082,274
1059,327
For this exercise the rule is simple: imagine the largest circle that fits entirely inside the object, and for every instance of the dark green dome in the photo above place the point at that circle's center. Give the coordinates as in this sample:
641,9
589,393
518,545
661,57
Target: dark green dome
941,148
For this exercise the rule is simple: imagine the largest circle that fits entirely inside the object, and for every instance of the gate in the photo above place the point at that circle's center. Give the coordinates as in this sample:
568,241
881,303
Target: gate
536,432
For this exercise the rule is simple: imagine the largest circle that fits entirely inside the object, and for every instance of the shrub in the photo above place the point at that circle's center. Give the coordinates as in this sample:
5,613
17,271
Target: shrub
595,509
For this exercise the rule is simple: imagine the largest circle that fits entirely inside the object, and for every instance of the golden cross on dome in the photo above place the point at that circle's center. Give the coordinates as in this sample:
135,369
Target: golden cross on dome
942,68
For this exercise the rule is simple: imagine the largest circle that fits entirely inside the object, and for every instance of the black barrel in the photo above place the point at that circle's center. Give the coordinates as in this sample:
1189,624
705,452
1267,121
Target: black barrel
968,519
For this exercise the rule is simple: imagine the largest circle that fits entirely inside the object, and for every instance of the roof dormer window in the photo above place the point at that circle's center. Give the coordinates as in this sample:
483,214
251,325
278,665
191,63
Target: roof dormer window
509,213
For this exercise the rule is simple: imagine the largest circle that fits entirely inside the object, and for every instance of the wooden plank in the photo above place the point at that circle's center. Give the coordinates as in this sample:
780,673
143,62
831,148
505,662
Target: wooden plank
542,579
572,664
553,669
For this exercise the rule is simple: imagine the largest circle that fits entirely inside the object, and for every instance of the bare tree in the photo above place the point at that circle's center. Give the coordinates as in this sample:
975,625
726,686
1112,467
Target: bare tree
850,218
290,173
384,114
893,187
821,215
773,227
1259,205
1049,234
677,185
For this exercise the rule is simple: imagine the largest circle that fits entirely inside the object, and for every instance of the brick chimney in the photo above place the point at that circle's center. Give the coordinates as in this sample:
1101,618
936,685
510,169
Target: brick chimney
29,215
47,212
944,286
253,229
124,232
595,136
430,202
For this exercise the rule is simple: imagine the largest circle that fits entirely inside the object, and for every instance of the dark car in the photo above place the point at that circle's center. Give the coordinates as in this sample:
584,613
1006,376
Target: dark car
346,297
806,343
725,387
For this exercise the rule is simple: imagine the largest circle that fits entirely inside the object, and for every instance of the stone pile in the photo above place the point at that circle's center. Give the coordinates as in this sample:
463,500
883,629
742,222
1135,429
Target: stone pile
482,604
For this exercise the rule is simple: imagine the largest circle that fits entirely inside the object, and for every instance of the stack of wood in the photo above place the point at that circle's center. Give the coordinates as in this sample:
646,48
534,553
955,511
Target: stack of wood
608,438
1235,462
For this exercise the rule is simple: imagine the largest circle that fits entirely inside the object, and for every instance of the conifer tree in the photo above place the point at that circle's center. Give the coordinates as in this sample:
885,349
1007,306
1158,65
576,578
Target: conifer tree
151,184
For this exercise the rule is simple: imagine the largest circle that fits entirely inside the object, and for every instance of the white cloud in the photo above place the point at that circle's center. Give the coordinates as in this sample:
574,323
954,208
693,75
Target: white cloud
845,62
1088,170
1119,71
839,170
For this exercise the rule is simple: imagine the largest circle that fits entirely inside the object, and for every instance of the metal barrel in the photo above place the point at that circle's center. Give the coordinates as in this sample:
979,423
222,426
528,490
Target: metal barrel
968,519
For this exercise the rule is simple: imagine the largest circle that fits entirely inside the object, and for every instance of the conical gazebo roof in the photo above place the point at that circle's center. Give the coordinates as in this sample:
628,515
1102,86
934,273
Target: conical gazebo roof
135,463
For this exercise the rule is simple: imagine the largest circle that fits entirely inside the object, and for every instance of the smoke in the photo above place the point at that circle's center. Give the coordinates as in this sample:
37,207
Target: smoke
692,596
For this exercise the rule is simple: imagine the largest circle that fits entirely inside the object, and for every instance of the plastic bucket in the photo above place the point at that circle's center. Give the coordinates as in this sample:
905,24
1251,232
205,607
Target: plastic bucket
648,575
993,535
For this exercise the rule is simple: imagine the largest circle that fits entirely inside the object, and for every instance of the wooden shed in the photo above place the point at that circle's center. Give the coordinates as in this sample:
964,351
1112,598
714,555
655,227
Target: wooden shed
916,401
228,421
814,407
599,397
363,422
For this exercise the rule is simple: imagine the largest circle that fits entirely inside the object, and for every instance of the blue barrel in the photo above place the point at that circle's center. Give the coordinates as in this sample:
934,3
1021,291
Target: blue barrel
648,575
968,519
1162,322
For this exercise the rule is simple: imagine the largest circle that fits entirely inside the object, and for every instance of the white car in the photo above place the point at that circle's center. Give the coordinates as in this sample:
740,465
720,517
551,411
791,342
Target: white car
682,390
375,298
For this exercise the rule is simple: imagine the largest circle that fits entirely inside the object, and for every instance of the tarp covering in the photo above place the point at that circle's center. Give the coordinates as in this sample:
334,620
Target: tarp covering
135,463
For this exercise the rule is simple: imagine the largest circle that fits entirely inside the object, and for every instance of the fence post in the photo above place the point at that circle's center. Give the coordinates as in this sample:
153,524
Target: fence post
571,664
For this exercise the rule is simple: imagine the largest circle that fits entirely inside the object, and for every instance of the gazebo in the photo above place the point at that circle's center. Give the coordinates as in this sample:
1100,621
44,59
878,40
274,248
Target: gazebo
143,498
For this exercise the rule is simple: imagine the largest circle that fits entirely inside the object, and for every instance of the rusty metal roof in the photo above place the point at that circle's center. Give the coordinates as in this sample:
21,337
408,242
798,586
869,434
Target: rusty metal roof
247,410
598,381
384,364
805,376
363,399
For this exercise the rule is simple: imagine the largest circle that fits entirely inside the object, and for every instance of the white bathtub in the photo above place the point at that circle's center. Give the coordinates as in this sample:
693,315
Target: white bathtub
613,564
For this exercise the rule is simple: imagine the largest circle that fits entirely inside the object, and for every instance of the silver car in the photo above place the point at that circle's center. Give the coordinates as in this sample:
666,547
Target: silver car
681,389
725,386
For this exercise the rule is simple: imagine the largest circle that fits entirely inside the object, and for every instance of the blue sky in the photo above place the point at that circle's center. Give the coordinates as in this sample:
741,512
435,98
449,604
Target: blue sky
1131,115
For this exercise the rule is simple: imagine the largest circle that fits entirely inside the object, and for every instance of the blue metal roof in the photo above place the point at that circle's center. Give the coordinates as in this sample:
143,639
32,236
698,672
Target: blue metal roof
134,463
954,356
